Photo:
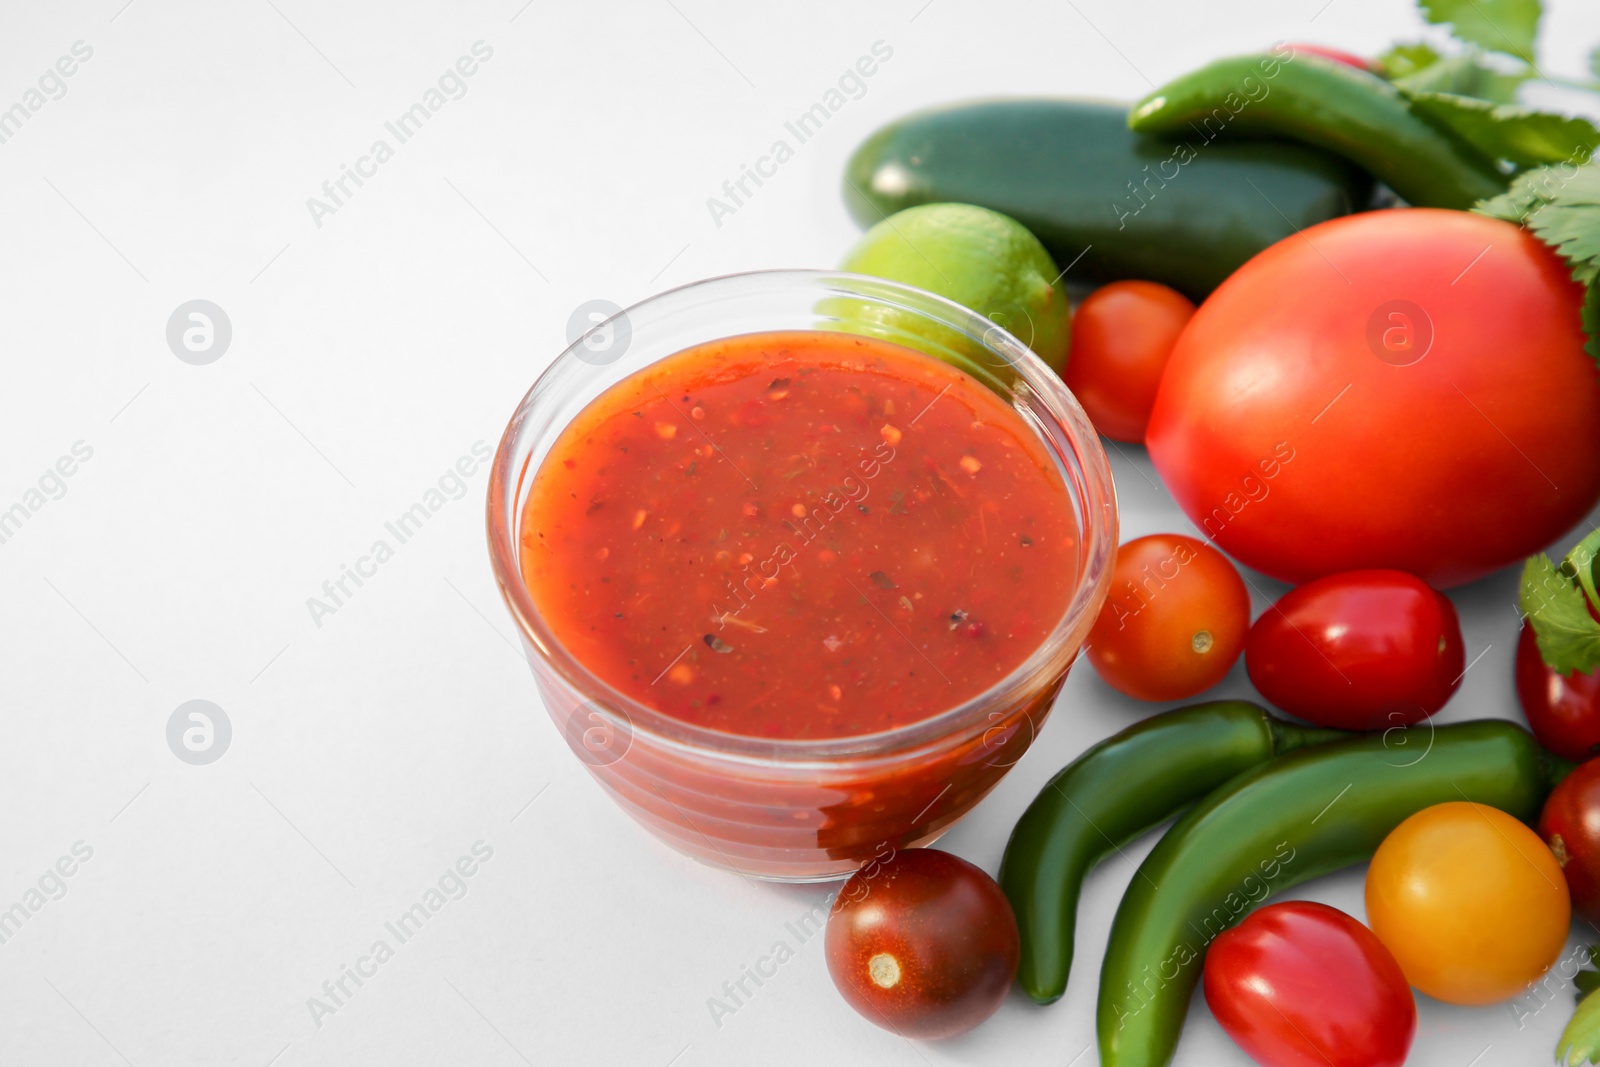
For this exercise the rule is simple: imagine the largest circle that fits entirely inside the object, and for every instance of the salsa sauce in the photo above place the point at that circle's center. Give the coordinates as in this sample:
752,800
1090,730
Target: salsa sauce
799,535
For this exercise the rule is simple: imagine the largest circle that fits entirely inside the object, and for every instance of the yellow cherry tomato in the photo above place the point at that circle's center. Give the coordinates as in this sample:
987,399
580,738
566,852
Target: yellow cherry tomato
1470,901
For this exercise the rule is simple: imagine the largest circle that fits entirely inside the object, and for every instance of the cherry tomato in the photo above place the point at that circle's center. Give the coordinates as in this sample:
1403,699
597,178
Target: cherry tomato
1174,622
1301,984
1470,901
922,943
1562,709
1364,650
1570,825
1122,335
1458,334
1349,59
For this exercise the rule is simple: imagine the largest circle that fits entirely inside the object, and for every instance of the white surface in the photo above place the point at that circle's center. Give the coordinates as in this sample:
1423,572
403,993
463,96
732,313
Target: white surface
368,355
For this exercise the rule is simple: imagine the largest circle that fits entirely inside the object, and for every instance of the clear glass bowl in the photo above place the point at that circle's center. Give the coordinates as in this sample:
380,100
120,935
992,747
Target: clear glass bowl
800,810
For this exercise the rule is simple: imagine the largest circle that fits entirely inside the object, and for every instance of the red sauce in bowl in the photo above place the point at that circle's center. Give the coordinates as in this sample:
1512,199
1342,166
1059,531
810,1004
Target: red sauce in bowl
800,535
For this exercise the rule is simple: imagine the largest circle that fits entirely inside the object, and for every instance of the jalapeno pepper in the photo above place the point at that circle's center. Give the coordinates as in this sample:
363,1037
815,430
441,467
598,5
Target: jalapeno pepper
1348,112
1121,788
1273,827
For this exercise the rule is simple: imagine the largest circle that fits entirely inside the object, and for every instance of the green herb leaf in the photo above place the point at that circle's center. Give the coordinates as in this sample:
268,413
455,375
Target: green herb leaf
1516,203
1407,58
1565,189
1508,26
1580,564
1465,75
1586,982
1520,135
1580,1041
1569,639
1561,205
1570,223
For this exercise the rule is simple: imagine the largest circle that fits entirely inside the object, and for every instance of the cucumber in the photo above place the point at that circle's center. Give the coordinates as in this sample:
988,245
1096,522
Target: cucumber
1108,203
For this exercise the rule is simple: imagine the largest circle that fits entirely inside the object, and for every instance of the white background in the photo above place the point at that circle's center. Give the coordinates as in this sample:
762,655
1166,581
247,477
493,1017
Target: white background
368,354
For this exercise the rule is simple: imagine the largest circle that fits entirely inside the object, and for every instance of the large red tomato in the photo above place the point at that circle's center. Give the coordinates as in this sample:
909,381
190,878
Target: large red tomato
1402,389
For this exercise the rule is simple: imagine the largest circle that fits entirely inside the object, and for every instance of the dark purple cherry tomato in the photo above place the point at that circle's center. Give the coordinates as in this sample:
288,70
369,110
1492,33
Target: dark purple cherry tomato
1562,709
922,943
1300,984
1363,650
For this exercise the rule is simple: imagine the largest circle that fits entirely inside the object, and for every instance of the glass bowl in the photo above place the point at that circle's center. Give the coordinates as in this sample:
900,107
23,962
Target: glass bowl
800,810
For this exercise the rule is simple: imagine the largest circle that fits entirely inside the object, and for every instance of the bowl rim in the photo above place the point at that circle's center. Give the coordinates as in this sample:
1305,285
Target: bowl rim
1098,540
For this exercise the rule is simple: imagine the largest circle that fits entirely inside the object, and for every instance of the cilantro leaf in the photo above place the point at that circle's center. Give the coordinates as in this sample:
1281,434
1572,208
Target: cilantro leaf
1580,1041
1407,58
1580,563
1561,205
1464,75
1508,26
1567,186
1519,135
1569,638
1586,981
1572,227
1517,202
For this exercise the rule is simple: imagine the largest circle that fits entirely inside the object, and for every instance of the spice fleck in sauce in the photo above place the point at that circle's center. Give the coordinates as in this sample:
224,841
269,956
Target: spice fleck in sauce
799,535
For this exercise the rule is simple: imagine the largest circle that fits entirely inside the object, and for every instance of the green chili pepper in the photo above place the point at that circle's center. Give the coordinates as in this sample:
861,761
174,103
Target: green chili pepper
1348,112
1273,827
1121,788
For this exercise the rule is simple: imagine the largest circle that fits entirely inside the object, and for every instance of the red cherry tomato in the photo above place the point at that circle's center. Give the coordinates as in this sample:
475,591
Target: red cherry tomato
1570,825
1349,59
1562,709
1364,650
1174,621
1301,984
922,943
1122,334
1472,362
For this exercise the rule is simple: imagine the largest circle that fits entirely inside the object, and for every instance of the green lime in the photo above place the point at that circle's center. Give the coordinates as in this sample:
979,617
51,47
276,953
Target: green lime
981,259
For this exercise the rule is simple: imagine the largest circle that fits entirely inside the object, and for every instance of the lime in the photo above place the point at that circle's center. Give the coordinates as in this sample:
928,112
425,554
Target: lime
981,259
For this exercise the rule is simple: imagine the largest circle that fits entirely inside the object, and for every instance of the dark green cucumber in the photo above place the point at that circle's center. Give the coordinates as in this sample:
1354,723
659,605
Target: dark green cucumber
1277,825
1116,791
1108,203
